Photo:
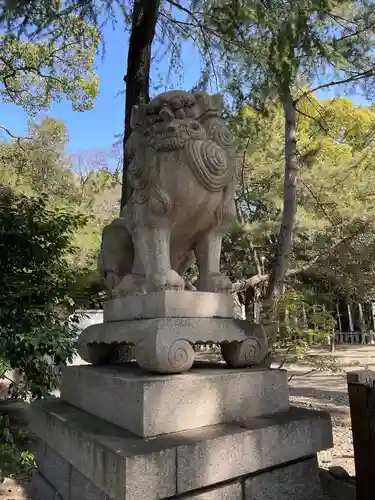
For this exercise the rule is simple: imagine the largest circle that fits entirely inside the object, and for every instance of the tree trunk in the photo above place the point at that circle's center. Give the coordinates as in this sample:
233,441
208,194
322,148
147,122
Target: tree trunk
285,240
137,79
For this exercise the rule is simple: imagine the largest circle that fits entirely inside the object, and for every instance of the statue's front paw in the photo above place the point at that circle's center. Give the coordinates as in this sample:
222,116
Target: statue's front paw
214,282
166,281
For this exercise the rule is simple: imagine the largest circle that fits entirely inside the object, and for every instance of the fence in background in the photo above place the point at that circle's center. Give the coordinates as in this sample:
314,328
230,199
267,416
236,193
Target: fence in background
355,323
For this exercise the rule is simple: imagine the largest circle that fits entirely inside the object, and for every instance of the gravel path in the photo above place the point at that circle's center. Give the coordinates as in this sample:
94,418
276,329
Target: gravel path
327,391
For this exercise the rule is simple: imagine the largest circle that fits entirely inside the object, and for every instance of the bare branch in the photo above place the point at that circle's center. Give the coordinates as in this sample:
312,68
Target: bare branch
319,203
335,83
316,120
203,33
358,32
16,137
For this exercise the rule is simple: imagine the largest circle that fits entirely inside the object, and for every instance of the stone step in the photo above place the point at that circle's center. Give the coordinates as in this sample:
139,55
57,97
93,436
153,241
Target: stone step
149,405
127,467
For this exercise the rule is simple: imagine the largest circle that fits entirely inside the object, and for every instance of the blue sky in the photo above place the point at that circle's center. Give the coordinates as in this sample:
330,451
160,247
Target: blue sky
96,129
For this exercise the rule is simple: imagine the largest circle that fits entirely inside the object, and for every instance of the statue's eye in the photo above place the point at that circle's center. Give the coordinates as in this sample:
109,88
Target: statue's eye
194,126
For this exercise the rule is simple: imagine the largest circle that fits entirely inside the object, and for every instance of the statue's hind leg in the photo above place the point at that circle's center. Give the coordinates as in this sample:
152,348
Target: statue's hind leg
117,264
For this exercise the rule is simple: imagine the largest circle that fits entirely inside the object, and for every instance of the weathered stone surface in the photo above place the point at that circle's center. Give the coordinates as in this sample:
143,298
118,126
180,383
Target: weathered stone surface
164,345
65,479
114,460
169,304
42,489
127,467
149,405
182,172
55,468
298,481
83,489
231,491
266,442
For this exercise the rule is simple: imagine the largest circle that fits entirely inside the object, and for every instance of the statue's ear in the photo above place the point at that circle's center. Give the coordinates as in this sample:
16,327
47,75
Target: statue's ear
217,101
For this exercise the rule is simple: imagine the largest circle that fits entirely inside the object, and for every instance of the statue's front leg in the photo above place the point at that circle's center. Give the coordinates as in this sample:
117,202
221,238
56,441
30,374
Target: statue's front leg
153,247
207,252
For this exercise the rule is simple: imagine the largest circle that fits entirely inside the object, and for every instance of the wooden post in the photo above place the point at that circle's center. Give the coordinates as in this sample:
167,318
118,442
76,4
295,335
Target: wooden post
304,316
333,340
361,388
287,320
314,317
362,324
339,324
351,326
338,318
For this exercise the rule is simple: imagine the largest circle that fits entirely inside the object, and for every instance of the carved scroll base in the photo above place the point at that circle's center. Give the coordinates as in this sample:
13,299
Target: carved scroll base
166,345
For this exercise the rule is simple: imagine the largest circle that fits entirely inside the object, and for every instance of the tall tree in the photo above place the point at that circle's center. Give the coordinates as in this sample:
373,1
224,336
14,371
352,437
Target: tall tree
268,49
137,78
335,220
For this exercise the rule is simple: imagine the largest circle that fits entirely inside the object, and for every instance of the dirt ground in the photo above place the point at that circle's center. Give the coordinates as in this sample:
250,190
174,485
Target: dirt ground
320,390
328,391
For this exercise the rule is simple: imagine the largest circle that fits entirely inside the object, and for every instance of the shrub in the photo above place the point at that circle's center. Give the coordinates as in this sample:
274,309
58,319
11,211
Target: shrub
37,295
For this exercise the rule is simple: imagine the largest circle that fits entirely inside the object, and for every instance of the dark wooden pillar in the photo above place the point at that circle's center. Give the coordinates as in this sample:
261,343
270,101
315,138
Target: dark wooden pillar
361,388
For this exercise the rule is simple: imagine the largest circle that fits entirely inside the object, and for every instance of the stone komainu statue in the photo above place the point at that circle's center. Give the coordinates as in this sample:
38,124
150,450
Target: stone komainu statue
182,174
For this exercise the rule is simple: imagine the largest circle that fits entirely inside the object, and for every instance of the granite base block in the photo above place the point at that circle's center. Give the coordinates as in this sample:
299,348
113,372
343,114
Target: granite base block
298,481
150,405
53,466
126,467
80,488
63,478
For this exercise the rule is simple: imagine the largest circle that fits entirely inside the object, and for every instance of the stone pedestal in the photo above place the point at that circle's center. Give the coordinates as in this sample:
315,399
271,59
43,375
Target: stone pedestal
150,405
161,329
209,434
221,431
